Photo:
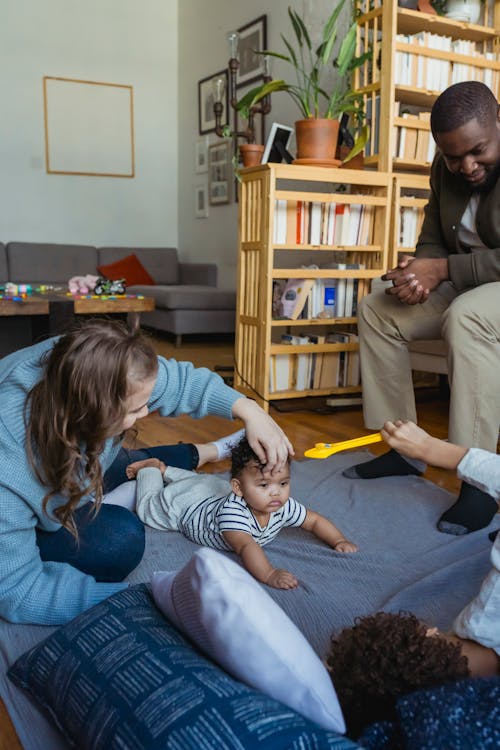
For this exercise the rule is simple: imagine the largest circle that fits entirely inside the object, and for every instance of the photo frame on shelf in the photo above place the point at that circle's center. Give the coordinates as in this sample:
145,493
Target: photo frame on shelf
253,39
276,149
206,116
201,201
220,173
201,155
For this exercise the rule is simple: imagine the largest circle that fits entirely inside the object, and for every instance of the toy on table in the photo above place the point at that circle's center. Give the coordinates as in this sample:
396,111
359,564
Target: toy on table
109,286
323,450
82,284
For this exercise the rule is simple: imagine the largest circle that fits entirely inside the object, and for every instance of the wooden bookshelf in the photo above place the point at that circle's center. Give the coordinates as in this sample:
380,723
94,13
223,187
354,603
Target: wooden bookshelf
409,198
407,72
266,256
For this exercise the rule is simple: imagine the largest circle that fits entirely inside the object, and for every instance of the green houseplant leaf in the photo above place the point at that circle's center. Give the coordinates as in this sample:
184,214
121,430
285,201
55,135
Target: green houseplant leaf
311,67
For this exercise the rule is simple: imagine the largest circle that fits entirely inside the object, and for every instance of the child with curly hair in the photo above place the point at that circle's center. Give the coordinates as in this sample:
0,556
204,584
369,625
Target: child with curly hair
385,656
239,516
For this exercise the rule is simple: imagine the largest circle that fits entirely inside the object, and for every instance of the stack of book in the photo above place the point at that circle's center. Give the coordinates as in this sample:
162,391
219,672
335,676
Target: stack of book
322,223
311,370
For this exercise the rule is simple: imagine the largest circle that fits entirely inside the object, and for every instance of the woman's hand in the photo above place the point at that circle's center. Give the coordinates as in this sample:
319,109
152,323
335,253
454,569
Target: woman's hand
266,438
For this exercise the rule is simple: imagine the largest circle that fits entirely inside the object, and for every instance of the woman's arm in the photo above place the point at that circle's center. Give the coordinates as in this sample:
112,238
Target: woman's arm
255,561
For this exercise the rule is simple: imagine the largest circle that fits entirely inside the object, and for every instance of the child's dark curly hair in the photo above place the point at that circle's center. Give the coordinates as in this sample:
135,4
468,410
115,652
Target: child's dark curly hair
242,455
384,656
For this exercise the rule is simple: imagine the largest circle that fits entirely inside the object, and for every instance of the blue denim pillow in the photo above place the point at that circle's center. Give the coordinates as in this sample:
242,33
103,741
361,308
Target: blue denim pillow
120,676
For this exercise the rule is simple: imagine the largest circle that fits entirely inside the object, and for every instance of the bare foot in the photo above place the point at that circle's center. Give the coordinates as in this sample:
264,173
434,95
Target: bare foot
133,468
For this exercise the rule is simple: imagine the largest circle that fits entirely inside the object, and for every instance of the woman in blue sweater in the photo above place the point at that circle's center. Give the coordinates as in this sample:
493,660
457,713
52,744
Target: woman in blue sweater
66,405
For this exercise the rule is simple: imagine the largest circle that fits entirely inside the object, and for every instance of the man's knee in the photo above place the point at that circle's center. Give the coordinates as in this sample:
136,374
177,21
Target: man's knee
466,317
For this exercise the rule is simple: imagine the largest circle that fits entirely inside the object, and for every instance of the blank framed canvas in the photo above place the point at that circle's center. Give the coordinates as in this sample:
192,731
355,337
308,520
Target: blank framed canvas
89,127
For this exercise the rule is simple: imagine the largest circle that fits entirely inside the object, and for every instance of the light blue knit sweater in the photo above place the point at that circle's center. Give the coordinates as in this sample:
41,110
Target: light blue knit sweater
49,592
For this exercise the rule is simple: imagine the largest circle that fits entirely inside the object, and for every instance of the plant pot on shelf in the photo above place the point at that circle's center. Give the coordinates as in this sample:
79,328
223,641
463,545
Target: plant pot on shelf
317,142
251,154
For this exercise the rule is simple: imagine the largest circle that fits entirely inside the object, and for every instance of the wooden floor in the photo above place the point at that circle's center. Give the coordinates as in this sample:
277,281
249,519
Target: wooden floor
304,426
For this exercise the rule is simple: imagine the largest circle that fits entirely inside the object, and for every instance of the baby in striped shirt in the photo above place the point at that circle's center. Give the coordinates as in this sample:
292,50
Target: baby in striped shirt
240,516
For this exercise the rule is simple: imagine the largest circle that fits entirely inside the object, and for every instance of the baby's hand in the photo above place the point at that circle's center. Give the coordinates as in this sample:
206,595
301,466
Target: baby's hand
346,546
133,468
282,579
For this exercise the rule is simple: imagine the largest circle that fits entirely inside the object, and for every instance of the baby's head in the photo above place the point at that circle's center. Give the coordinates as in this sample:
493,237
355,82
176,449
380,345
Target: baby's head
262,491
383,657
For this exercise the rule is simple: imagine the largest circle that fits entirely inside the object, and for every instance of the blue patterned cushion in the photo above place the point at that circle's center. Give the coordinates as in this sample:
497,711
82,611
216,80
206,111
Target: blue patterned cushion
120,676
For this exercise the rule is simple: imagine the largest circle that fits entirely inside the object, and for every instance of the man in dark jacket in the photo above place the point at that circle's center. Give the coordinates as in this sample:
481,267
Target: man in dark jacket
450,289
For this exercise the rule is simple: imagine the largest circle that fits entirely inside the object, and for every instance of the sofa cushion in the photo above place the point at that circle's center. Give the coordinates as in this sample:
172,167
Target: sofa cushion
39,262
189,297
160,262
227,613
130,269
121,676
4,273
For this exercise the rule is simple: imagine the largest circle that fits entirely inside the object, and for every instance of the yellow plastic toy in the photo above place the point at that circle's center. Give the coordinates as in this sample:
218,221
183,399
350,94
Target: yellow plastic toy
323,450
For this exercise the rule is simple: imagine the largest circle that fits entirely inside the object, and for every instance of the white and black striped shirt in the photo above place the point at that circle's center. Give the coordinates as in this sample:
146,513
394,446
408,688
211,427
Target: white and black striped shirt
204,522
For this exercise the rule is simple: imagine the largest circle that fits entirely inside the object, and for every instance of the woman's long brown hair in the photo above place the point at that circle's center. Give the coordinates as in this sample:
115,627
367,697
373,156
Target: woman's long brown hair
78,404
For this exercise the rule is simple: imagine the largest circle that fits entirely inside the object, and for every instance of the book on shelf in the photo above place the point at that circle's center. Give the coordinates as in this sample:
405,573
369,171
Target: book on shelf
301,363
295,297
280,372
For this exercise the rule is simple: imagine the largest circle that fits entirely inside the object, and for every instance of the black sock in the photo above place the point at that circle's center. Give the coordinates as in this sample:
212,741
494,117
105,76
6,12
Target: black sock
473,510
493,535
390,464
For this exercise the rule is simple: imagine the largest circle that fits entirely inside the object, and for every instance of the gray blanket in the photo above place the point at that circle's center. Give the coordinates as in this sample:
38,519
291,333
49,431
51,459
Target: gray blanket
404,563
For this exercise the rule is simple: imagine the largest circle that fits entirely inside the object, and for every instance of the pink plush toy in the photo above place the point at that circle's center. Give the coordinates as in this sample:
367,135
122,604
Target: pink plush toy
82,284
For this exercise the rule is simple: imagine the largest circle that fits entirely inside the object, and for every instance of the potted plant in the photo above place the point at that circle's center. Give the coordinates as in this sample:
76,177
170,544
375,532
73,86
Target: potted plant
317,132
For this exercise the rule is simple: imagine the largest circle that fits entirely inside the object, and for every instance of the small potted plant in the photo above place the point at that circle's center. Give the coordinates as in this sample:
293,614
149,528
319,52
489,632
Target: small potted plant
317,132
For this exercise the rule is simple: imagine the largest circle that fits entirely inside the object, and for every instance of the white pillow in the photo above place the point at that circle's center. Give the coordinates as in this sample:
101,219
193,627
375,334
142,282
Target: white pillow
219,606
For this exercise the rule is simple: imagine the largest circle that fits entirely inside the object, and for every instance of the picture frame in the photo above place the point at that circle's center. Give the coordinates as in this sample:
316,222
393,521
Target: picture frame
206,115
253,36
277,142
201,201
89,127
220,173
201,155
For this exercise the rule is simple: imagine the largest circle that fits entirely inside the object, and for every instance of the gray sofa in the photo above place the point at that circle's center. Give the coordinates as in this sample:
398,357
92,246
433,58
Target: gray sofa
186,294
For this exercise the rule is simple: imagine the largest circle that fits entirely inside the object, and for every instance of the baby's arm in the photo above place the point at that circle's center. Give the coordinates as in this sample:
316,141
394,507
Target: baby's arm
325,530
147,463
412,441
255,561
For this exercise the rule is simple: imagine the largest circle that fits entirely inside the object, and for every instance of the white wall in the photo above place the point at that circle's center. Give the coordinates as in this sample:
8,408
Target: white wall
202,51
114,41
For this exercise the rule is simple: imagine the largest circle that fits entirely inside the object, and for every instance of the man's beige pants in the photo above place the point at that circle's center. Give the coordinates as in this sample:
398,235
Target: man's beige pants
470,324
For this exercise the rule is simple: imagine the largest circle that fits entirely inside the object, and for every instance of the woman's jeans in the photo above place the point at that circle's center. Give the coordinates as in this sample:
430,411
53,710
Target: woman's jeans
110,542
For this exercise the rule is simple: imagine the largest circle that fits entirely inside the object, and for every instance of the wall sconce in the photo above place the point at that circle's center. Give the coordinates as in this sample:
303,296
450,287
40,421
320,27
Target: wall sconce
218,89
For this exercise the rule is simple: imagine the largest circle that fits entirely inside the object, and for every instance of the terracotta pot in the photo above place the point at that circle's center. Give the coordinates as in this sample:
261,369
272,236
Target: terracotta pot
251,154
316,139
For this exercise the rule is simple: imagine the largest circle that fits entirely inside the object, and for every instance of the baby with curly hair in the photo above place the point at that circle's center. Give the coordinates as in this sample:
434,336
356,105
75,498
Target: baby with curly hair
237,516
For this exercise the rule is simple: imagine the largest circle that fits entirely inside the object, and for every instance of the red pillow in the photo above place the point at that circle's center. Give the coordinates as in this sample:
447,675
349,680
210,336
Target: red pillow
130,269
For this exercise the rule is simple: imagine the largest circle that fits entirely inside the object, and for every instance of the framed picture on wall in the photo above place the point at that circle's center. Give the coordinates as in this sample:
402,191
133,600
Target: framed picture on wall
220,173
201,155
201,201
253,39
206,116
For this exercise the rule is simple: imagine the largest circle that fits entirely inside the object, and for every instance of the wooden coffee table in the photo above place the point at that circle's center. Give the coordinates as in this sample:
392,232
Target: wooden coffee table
51,313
